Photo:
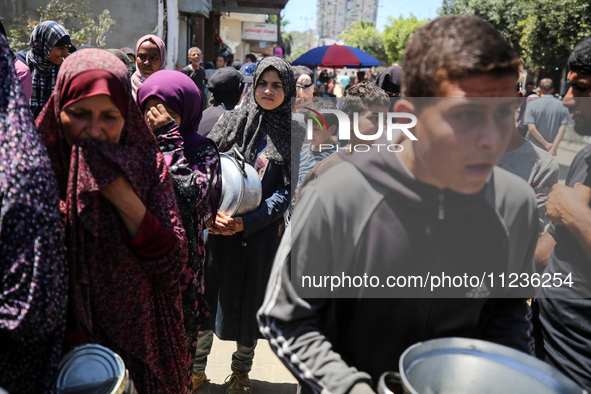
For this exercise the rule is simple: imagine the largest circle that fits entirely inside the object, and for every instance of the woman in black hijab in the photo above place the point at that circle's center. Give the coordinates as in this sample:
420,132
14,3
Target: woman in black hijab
242,248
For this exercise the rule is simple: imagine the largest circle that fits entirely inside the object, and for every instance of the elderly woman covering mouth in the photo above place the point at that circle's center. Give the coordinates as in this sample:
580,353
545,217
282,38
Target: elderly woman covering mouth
125,244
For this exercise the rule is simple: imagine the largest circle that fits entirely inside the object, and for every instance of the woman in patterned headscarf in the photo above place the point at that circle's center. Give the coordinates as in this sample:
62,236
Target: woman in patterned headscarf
50,43
242,248
33,288
150,57
173,107
125,242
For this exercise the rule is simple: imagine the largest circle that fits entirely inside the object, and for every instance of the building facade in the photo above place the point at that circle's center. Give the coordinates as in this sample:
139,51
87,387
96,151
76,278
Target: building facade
180,23
334,16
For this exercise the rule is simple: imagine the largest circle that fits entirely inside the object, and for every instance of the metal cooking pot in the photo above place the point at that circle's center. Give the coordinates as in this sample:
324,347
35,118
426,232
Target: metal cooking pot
93,369
462,365
241,186
390,383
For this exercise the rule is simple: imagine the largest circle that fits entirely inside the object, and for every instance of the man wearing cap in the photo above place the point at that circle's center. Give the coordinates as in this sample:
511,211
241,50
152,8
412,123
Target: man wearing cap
50,45
194,70
225,85
23,72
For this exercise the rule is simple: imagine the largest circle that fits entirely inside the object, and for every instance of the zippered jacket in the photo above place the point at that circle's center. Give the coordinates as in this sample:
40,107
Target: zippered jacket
370,216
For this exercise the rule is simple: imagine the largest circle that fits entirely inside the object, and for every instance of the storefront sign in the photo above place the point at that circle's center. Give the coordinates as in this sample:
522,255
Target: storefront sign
259,31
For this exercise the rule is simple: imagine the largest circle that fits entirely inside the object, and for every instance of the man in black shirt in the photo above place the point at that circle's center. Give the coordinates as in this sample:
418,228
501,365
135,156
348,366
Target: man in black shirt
194,70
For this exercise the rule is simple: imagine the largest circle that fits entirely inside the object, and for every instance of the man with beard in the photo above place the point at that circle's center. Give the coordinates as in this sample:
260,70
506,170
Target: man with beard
563,326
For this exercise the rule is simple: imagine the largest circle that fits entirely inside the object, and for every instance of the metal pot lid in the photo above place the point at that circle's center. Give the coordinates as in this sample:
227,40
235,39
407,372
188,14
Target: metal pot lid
90,369
462,365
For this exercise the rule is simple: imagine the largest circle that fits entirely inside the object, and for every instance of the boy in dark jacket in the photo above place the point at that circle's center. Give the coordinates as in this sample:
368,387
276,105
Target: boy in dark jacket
352,285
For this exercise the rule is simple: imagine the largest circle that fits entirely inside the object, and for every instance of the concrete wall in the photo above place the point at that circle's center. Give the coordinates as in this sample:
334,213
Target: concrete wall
136,18
133,18
231,32
183,47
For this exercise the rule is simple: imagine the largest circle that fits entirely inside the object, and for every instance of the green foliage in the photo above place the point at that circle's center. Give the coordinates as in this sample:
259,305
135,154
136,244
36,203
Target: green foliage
397,33
550,33
301,42
101,30
504,15
273,19
18,37
75,16
363,35
542,32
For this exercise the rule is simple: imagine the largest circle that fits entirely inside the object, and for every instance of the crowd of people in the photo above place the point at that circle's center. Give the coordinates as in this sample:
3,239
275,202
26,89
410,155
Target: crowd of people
111,232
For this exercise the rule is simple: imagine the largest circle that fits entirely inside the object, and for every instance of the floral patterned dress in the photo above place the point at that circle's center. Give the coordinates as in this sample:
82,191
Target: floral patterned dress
33,267
123,293
193,179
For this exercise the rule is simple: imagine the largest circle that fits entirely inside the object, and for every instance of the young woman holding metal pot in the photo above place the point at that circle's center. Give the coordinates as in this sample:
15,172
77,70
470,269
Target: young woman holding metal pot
242,247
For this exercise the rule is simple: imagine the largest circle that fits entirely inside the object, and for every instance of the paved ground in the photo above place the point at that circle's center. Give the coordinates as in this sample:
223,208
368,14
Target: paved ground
268,375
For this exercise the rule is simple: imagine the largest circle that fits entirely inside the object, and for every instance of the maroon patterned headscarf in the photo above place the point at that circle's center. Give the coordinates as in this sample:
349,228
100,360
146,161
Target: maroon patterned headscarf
93,83
88,64
116,298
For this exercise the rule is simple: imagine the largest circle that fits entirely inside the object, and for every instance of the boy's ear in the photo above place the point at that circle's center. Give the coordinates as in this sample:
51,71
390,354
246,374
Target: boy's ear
404,105
332,129
519,100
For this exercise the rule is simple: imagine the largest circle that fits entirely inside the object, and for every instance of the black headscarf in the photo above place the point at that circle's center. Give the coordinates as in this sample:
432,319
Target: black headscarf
242,127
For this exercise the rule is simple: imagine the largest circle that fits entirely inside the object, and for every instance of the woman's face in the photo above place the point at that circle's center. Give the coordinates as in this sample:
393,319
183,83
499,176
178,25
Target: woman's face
268,91
58,54
94,117
148,58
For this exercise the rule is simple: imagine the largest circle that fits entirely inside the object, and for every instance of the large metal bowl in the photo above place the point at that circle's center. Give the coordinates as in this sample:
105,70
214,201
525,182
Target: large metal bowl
462,365
241,186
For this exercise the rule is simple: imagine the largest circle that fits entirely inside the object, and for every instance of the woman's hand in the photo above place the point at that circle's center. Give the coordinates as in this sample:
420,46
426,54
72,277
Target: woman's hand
238,224
157,117
225,225
132,210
